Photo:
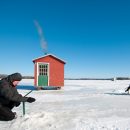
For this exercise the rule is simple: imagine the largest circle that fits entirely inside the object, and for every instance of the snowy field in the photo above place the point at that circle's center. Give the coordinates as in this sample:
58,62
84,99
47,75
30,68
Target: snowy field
80,105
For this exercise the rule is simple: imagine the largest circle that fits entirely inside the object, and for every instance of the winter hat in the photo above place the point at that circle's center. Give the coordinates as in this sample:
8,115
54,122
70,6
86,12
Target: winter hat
15,77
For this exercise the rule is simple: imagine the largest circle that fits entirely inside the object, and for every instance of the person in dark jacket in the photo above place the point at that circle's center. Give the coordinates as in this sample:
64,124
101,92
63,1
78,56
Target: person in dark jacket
9,96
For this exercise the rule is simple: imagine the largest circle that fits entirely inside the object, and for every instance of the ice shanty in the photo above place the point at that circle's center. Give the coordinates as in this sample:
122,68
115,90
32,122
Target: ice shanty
49,71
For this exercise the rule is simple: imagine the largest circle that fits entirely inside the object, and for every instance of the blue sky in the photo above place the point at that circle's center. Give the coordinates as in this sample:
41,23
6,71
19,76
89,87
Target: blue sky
92,36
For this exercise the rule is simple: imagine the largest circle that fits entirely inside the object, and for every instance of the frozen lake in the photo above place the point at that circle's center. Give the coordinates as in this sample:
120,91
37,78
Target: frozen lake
80,105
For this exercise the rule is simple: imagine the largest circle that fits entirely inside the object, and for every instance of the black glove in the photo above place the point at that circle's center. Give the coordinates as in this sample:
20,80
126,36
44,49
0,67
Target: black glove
17,104
30,100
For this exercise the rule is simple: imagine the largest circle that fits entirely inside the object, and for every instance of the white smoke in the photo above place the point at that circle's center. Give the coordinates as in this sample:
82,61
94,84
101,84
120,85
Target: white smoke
42,39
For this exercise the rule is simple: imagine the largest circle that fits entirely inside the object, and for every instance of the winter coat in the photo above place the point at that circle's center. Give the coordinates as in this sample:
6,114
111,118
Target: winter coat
8,91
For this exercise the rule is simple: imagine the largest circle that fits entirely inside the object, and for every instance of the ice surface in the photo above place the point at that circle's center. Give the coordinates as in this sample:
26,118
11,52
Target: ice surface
80,105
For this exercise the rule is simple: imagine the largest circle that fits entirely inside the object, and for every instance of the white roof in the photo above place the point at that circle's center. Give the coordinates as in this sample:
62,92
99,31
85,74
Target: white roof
49,55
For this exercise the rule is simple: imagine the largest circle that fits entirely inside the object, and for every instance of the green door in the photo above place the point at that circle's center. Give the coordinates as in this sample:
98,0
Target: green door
43,75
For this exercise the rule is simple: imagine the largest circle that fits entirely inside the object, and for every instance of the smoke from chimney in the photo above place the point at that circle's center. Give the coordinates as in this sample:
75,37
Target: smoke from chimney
42,39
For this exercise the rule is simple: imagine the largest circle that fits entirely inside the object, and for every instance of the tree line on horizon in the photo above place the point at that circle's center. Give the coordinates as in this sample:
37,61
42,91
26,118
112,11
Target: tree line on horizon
113,79
24,77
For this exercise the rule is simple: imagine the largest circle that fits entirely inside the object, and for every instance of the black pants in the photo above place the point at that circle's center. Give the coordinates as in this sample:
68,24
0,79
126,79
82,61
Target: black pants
5,111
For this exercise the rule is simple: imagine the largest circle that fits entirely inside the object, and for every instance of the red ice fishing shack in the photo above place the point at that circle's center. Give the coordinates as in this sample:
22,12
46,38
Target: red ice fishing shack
49,71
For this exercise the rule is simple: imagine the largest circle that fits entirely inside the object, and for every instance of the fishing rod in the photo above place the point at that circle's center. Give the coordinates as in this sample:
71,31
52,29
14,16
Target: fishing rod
28,93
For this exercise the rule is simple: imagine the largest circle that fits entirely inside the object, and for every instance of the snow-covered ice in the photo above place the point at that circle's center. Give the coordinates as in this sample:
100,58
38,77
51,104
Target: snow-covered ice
80,105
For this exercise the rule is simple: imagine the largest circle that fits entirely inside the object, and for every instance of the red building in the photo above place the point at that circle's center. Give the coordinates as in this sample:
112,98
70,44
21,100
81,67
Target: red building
49,71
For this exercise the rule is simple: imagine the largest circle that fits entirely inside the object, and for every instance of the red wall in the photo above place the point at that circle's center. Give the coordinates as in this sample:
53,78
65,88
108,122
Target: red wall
35,74
56,71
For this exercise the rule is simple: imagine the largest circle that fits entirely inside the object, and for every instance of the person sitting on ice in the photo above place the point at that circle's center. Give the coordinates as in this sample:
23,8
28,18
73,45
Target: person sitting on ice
9,96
